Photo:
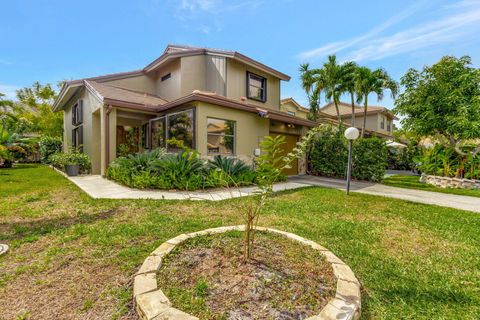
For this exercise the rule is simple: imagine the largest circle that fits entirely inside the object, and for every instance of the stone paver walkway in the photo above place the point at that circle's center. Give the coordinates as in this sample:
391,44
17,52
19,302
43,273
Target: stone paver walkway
98,187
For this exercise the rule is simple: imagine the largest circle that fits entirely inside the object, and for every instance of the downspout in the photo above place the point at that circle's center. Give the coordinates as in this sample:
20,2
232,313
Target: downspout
107,135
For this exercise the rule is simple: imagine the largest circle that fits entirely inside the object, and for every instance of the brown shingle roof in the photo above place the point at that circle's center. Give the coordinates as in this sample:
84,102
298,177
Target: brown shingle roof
119,94
345,109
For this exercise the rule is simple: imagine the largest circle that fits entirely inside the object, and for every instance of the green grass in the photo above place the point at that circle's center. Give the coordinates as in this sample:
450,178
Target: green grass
413,182
414,261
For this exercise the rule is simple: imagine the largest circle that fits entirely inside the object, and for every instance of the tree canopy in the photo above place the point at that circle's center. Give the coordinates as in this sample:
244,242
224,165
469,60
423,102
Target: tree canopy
443,100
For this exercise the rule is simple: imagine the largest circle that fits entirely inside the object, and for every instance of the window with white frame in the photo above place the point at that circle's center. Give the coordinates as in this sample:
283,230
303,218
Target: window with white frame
177,127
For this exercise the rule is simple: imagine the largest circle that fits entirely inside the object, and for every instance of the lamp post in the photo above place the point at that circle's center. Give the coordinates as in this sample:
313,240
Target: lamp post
351,134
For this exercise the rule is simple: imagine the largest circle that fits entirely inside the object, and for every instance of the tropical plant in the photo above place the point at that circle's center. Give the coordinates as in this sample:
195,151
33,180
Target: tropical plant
48,146
349,76
367,82
333,82
312,84
443,101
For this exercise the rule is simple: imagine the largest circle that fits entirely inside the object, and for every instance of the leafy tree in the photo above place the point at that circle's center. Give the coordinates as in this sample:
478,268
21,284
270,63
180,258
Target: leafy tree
372,81
333,82
443,100
349,76
312,83
35,104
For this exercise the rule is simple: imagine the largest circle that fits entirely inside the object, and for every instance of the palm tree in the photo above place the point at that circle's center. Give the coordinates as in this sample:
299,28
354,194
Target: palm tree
376,81
312,83
333,74
349,70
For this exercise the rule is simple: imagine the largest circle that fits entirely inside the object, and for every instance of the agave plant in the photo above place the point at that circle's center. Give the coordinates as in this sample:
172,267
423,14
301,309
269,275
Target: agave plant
231,166
144,161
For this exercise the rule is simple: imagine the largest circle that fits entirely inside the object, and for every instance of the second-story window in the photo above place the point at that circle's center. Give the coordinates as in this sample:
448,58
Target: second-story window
389,125
166,77
256,87
291,113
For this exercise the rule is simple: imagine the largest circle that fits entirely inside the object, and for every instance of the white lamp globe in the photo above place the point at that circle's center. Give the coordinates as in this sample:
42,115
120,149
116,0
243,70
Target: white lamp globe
351,133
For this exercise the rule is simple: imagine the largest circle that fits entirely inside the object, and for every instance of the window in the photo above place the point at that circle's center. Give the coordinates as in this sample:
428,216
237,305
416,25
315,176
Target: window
77,113
389,125
291,113
77,138
220,136
157,134
166,77
145,136
382,123
256,87
77,120
178,126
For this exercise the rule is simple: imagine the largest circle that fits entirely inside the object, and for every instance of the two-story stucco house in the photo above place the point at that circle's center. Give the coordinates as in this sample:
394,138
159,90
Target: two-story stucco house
214,101
379,119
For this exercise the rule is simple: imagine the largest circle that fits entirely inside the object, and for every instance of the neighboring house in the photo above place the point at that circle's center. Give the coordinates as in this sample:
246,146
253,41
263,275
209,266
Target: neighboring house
293,108
214,101
379,119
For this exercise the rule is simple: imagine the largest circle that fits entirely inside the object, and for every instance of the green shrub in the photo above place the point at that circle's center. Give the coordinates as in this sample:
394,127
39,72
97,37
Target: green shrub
329,153
224,171
48,146
329,156
6,158
369,159
183,171
60,159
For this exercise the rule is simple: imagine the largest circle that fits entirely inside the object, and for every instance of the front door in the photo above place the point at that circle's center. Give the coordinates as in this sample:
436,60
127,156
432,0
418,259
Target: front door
290,143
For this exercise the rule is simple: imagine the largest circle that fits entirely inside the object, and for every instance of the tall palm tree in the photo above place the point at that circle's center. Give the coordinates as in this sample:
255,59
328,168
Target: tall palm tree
312,84
333,77
349,70
376,81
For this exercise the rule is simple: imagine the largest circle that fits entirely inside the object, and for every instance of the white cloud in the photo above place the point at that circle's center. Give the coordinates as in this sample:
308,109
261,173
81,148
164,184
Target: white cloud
335,47
432,33
461,20
9,91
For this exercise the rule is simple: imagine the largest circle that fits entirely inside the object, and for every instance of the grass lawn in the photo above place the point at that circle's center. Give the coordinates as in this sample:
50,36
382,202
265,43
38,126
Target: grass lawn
73,257
413,182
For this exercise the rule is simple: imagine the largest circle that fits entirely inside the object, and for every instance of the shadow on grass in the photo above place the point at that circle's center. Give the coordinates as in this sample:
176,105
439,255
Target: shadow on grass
27,230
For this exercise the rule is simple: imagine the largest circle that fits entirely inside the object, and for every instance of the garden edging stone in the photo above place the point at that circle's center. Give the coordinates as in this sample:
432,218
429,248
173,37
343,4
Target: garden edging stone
152,304
3,248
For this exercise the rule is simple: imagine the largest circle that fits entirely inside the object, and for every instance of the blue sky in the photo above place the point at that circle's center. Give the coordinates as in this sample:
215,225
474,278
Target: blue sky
51,40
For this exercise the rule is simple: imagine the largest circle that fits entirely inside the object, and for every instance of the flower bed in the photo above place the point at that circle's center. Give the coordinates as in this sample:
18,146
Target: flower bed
318,299
447,182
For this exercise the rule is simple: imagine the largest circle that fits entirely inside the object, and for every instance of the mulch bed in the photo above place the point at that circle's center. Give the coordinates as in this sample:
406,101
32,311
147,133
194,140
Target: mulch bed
207,276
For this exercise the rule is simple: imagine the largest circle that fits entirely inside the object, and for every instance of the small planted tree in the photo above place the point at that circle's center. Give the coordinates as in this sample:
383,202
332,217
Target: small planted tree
269,167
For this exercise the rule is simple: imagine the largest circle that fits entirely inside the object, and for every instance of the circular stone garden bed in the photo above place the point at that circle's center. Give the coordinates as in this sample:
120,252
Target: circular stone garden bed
204,276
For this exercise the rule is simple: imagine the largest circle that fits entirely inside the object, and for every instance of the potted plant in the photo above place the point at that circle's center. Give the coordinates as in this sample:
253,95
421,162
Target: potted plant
73,162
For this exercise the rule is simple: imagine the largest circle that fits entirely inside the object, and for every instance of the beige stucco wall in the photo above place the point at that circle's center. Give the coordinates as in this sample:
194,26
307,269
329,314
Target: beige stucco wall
170,88
237,84
90,139
289,106
249,129
193,69
142,83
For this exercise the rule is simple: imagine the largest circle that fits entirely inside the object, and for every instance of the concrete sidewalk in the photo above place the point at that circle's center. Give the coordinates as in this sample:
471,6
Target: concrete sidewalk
98,187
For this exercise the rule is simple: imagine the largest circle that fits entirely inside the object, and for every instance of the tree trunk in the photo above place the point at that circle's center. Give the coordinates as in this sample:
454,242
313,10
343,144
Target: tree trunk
353,109
338,113
364,115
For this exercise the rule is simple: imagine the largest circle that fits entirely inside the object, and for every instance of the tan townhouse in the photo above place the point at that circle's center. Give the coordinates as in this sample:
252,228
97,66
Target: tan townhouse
213,101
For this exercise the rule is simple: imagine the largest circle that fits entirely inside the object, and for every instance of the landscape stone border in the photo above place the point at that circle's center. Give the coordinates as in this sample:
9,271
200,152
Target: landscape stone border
447,182
3,249
152,304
